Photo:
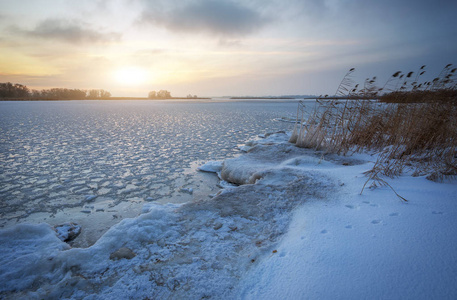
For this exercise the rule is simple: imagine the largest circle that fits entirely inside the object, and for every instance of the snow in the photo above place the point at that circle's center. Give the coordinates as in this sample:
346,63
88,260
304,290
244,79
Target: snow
295,227
27,251
365,246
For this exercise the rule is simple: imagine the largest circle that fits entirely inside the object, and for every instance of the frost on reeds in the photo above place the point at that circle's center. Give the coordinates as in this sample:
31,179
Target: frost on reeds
412,125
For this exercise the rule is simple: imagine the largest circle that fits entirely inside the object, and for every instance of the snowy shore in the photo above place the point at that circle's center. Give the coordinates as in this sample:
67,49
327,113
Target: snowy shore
295,228
369,246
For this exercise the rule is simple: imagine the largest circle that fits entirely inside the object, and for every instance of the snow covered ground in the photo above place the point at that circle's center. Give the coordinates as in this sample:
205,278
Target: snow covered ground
369,246
296,227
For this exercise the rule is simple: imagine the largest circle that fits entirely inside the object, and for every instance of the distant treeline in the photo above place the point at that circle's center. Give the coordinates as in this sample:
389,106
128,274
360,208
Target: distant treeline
162,94
10,90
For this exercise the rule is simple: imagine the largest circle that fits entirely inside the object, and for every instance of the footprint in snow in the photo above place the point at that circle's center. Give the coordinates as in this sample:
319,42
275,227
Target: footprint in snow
324,231
350,206
437,212
394,214
375,221
348,227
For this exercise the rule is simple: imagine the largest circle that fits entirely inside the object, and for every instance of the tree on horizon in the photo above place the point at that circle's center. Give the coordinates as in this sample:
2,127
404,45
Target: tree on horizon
162,94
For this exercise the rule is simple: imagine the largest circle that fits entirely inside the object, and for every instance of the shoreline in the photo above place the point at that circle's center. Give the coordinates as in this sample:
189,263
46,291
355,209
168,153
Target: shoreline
105,99
225,224
296,225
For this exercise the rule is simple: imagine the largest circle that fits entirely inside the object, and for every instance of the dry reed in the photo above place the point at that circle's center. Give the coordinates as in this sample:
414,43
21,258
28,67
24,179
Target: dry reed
413,127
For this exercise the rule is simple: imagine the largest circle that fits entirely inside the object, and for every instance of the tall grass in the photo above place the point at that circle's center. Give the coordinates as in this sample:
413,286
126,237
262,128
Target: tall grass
412,125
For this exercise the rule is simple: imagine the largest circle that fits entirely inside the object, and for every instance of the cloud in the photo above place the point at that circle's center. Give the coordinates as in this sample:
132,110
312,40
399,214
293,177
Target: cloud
70,31
3,17
220,18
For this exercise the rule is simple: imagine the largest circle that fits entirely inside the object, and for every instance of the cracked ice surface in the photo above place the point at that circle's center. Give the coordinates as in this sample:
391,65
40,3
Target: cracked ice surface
98,162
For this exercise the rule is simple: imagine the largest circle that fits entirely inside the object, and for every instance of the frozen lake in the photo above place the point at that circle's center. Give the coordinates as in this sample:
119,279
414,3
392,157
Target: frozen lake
98,162
125,170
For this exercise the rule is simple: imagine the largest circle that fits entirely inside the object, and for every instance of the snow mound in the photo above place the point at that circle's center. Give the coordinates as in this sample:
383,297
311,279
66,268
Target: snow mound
265,154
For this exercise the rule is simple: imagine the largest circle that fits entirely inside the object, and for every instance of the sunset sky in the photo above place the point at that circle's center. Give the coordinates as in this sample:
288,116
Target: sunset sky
220,47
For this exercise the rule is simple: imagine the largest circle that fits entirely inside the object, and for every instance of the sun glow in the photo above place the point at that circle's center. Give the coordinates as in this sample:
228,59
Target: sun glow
131,75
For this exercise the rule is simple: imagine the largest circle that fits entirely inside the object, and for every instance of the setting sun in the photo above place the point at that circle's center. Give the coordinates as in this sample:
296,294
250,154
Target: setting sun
131,75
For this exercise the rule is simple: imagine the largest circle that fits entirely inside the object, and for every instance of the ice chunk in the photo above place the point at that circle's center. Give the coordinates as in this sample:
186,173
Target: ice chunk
67,231
211,166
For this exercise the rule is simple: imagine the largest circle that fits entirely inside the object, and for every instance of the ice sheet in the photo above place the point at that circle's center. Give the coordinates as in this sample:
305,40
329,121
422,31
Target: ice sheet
97,162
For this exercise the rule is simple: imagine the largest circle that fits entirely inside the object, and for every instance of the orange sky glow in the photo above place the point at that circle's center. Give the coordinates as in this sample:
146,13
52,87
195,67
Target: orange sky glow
217,48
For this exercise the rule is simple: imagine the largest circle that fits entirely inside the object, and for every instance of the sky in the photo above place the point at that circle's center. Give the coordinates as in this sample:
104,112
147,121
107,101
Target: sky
221,47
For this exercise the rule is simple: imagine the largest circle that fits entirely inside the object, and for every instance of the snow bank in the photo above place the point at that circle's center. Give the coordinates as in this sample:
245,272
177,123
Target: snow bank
248,168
